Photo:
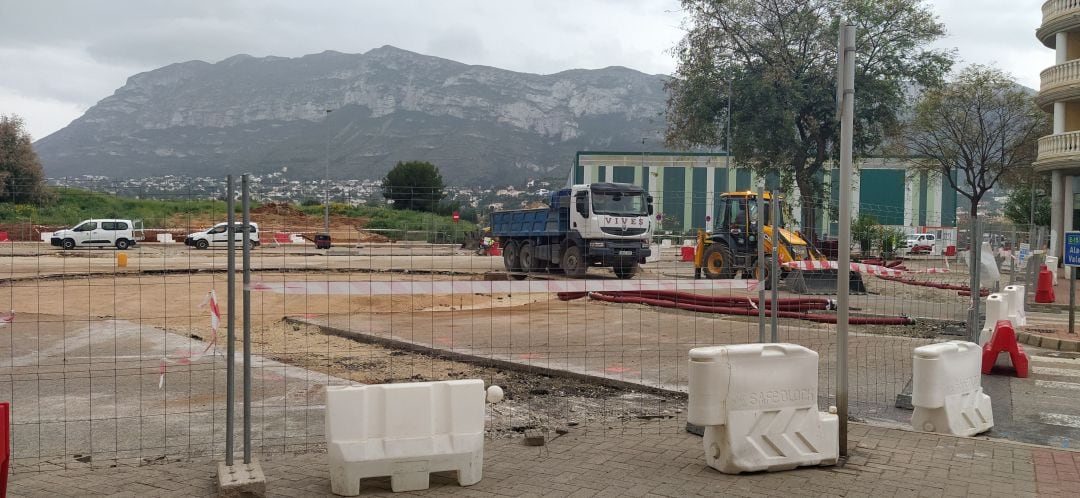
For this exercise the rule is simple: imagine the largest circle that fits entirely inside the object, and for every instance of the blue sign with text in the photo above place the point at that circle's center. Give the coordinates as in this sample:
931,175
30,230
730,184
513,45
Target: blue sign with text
1072,249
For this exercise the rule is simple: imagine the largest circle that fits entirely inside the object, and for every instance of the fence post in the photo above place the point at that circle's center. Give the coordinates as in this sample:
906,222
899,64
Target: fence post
230,337
775,262
845,89
246,265
761,263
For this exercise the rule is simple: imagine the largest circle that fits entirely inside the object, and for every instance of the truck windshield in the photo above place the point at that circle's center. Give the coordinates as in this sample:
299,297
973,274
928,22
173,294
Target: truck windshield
619,203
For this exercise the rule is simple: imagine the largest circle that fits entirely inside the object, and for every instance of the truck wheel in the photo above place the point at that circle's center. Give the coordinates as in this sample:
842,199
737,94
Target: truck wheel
121,244
718,262
511,257
573,262
624,270
527,257
68,244
201,244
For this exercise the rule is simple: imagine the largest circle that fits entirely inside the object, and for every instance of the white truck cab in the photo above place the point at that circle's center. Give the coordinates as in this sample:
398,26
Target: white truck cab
217,236
121,234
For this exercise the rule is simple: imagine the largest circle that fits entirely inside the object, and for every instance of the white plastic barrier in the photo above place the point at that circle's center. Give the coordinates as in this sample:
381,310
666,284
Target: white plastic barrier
296,238
947,389
758,403
1014,294
665,243
404,431
1052,265
46,236
165,238
655,254
988,270
997,308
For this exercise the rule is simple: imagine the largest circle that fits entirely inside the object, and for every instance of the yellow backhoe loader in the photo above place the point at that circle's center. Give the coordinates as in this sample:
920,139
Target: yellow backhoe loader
731,249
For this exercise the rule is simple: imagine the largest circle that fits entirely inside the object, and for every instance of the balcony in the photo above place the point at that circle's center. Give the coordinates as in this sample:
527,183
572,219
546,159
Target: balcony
1060,151
1059,83
1058,15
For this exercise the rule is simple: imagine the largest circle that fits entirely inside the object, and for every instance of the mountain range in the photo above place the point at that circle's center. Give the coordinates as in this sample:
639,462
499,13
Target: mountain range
478,124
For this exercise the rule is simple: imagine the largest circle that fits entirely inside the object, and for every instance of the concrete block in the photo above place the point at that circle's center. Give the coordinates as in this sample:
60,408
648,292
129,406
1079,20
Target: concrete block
241,479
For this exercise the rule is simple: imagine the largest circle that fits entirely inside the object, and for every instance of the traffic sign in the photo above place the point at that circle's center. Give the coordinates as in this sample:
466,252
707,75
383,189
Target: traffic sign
1072,249
457,216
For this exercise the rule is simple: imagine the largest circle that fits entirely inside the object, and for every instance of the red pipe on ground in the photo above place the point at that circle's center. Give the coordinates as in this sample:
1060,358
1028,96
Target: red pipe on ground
620,297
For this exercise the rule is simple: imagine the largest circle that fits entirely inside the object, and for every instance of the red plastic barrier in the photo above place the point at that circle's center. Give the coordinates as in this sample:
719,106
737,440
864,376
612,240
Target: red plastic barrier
1004,340
282,238
687,254
950,250
4,237
1044,288
5,445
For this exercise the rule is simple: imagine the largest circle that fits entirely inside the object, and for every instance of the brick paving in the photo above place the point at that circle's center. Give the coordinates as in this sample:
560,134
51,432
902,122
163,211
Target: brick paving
882,462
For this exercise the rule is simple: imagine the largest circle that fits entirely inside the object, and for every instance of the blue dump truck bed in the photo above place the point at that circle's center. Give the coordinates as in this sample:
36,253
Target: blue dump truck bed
523,223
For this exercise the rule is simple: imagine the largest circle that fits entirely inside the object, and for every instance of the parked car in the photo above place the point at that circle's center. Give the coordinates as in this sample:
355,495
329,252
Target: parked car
216,236
920,242
121,234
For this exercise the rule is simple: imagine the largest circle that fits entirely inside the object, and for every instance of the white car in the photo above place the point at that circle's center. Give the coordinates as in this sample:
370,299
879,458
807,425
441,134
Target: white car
121,234
216,236
927,240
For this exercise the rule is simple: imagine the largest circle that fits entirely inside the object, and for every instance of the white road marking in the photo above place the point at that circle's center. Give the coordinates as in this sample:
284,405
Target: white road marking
1060,419
1062,372
1055,359
1053,384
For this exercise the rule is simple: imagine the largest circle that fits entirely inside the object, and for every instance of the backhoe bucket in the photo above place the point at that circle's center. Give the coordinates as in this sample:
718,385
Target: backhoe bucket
821,282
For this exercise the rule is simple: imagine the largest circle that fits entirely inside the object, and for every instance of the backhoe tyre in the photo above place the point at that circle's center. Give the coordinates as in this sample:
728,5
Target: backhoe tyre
512,257
625,270
573,262
718,262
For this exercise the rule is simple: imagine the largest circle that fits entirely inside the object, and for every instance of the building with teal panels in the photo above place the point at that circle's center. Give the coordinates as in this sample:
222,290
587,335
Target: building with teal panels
686,187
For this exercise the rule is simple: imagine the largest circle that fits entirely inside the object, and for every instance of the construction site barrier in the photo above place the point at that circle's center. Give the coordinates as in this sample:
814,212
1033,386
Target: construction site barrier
947,390
758,404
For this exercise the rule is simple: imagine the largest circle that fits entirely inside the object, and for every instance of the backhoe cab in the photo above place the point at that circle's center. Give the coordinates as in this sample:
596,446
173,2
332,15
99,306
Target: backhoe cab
731,249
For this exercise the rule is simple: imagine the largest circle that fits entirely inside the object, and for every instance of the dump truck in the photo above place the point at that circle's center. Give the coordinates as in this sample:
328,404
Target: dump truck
597,224
731,249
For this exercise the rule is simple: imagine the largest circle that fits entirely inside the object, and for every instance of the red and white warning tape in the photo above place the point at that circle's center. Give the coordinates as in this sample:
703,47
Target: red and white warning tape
858,268
187,357
498,287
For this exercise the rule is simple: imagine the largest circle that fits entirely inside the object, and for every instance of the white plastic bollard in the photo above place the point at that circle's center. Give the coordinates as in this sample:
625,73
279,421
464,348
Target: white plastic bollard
665,243
1014,294
655,254
1051,264
405,431
947,389
758,403
165,238
997,308
46,236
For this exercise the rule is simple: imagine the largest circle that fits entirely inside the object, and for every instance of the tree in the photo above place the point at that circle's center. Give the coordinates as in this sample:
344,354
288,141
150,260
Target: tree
780,59
975,130
22,179
414,185
1018,207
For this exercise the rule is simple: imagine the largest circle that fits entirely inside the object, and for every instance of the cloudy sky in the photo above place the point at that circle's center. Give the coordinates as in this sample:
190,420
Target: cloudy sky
59,57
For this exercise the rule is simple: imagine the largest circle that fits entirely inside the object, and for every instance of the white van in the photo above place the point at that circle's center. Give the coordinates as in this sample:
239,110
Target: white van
121,234
216,236
922,240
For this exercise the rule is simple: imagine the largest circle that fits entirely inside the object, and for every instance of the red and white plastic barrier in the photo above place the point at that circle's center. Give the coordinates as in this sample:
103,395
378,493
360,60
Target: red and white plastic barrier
858,268
210,303
498,287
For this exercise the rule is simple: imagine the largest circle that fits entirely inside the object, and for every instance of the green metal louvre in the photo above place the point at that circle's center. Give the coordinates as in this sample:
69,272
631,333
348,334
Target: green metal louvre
720,185
675,196
622,174
579,174
697,211
923,180
742,179
948,202
601,173
881,194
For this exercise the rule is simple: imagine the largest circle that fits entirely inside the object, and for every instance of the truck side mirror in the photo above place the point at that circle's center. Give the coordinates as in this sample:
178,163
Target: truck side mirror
582,203
648,200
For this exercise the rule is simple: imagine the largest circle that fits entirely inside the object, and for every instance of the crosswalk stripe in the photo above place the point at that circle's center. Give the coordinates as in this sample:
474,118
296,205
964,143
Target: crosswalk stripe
1062,372
1053,384
1060,419
1055,359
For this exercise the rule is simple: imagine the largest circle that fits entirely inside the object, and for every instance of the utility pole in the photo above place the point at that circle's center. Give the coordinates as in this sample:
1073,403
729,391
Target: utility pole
845,92
326,182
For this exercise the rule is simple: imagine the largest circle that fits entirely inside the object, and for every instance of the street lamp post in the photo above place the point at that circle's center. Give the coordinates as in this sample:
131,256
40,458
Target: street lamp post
326,184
